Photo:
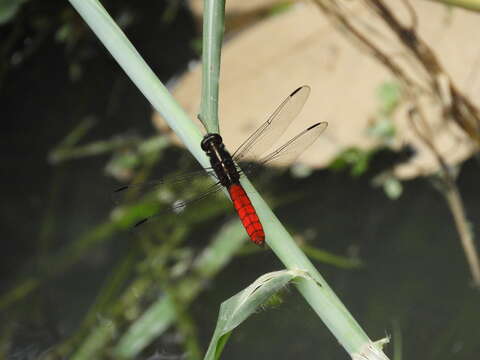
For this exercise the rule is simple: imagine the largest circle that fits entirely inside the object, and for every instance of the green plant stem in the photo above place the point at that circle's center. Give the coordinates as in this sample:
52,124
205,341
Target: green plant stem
213,26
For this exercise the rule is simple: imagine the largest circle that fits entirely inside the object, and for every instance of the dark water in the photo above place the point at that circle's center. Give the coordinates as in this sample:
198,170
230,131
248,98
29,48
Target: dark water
414,285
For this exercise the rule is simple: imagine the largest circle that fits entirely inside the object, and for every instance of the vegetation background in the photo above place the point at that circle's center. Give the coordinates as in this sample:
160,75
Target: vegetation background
75,281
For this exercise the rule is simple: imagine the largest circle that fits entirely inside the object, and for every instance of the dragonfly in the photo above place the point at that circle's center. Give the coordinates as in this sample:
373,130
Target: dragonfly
226,171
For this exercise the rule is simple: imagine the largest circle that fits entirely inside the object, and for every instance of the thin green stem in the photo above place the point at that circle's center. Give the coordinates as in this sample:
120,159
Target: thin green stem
466,4
213,25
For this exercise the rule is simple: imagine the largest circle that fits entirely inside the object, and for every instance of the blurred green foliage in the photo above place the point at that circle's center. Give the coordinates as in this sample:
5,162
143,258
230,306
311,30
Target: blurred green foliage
151,286
8,9
388,96
382,129
354,158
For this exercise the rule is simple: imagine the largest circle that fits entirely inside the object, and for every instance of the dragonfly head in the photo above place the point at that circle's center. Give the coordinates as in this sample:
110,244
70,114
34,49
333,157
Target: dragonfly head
211,141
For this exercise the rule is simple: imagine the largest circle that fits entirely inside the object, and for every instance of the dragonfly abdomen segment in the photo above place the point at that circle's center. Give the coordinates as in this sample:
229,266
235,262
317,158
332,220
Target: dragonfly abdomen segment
247,213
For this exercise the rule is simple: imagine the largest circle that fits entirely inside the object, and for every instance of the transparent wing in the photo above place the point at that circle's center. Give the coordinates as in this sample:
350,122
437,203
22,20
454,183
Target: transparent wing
149,186
268,133
293,148
180,205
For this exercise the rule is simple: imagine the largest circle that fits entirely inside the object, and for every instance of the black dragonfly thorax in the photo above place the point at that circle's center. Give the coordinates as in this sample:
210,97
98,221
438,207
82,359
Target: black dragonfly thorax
220,159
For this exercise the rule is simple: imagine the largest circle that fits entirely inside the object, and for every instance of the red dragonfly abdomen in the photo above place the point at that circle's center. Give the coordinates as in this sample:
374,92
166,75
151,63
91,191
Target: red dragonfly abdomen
247,213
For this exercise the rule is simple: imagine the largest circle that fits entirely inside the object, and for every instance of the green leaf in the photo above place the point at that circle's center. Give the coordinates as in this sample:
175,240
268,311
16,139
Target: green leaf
238,308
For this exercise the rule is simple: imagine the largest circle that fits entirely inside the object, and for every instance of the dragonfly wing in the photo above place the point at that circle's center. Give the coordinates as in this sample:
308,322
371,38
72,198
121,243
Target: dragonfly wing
180,205
269,132
123,193
293,148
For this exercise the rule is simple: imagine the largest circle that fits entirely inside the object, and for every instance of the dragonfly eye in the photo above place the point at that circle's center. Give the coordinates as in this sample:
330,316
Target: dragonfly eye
210,140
